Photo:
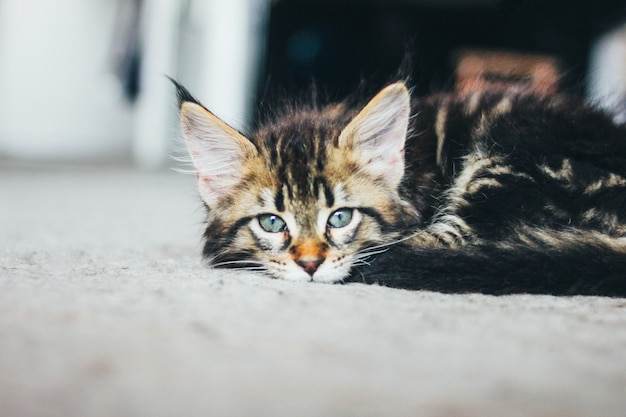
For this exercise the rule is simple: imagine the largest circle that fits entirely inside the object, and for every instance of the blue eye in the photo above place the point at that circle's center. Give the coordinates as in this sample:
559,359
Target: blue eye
271,223
340,218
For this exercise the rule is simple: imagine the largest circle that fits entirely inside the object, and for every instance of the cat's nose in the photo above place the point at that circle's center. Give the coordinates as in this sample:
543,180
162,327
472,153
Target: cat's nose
310,263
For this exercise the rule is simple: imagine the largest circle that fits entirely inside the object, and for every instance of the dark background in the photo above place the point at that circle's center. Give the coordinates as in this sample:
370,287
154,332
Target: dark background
340,44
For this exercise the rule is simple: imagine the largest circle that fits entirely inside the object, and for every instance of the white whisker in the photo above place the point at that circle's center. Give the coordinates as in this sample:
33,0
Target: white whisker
361,262
394,242
252,268
252,264
367,253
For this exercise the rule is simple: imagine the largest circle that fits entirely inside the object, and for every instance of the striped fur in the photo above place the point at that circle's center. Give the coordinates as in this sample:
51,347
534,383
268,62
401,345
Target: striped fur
489,192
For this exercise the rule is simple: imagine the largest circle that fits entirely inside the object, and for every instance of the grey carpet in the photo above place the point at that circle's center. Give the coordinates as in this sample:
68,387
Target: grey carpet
106,310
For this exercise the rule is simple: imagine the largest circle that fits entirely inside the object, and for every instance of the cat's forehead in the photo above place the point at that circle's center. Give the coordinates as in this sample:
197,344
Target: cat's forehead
300,152
304,203
298,195
296,150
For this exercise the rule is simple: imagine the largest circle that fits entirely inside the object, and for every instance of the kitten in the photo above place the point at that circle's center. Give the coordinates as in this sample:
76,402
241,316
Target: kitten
500,192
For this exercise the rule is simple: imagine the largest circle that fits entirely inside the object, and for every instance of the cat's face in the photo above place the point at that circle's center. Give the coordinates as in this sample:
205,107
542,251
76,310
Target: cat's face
306,197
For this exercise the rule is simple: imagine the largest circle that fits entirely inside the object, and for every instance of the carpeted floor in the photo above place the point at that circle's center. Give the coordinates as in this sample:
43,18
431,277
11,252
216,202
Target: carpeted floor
106,310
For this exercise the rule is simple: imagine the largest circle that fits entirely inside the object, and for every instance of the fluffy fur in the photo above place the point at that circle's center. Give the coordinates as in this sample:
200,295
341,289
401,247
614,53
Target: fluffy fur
498,192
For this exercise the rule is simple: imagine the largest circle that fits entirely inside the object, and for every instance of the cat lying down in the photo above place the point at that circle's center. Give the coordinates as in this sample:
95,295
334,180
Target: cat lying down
492,192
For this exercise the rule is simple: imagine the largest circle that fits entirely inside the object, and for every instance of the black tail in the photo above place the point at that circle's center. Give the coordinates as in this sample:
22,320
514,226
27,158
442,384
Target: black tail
575,270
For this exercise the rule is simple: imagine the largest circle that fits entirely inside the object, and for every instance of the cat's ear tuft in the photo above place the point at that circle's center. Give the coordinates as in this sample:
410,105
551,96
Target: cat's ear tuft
182,93
378,133
218,151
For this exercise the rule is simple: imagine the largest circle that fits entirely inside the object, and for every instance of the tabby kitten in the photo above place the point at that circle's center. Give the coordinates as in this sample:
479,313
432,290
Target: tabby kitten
493,192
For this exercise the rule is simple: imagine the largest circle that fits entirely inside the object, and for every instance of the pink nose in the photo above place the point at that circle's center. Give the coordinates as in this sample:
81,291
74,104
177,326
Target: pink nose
310,264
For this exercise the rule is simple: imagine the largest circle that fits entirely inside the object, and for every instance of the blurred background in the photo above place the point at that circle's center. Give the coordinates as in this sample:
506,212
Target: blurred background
84,81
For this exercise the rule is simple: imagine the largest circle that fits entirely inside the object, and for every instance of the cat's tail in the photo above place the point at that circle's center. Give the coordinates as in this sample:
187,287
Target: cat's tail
577,269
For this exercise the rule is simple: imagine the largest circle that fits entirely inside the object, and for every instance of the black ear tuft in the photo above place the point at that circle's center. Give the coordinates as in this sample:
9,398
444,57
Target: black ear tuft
183,94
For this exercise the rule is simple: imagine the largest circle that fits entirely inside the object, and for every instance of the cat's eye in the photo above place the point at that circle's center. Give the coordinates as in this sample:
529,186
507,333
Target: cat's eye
272,223
340,218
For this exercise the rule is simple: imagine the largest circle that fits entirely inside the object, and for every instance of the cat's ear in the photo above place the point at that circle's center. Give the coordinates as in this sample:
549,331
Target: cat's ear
377,134
218,151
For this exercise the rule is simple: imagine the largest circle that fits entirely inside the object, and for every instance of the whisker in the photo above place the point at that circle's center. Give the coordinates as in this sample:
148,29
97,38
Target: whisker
395,242
255,264
360,262
372,251
361,257
251,268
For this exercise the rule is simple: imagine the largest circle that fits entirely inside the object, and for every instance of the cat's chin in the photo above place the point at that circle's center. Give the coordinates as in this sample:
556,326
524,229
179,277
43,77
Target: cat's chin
323,275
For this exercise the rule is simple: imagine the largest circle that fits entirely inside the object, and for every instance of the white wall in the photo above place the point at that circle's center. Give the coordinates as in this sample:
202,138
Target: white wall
607,74
59,99
210,46
232,41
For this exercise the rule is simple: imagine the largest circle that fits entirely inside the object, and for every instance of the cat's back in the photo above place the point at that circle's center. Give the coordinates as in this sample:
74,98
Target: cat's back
506,160
516,124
